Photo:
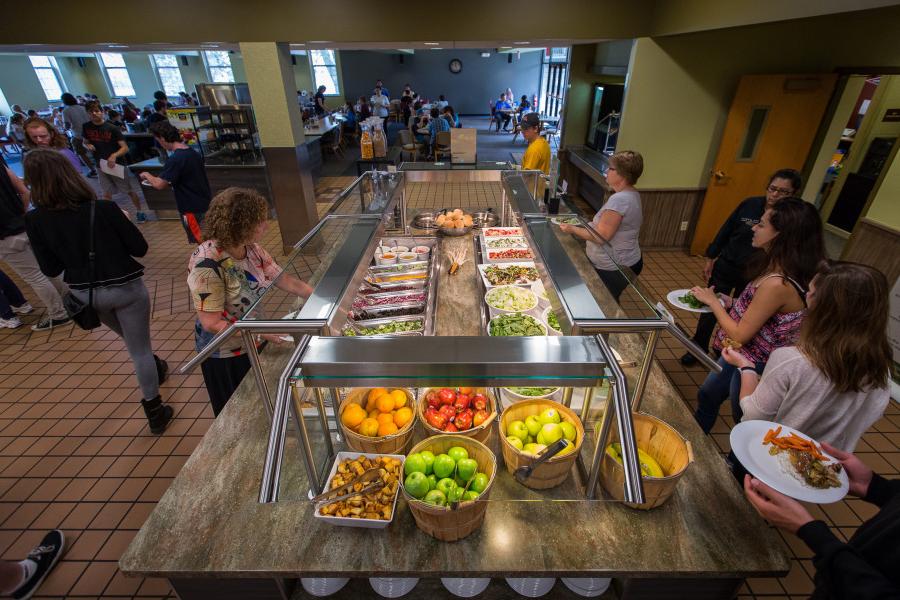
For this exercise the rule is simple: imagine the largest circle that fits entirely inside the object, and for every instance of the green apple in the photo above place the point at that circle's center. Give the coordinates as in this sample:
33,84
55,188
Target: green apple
533,425
550,415
428,457
517,429
466,468
534,449
569,431
530,439
443,466
549,433
457,453
414,464
470,495
435,497
516,442
432,481
416,484
479,483
567,450
456,494
446,485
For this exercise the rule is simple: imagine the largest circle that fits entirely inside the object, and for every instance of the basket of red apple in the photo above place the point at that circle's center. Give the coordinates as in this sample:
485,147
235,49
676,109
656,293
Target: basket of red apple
529,428
462,411
447,479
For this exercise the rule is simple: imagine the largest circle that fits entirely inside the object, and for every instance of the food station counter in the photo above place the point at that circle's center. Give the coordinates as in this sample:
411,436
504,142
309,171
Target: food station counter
532,350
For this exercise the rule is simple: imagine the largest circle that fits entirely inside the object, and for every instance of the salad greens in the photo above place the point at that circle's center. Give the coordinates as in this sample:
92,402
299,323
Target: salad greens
510,274
553,322
691,301
532,392
511,298
516,324
386,328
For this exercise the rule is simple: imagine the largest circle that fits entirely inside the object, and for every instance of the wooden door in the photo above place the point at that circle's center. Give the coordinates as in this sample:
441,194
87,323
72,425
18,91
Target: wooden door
771,125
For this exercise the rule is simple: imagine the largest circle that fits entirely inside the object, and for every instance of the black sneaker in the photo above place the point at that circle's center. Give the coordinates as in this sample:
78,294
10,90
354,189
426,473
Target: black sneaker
689,359
44,557
48,323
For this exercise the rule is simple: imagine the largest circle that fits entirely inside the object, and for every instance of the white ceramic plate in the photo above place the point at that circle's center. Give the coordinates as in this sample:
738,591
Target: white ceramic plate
672,298
746,442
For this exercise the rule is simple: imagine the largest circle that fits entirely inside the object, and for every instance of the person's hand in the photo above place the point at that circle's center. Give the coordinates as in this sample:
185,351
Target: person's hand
707,268
776,508
88,146
111,162
858,473
705,295
144,176
273,338
735,358
566,228
727,301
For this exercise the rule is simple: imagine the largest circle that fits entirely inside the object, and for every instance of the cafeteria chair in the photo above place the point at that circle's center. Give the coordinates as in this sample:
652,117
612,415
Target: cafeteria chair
442,145
516,127
493,117
7,140
408,145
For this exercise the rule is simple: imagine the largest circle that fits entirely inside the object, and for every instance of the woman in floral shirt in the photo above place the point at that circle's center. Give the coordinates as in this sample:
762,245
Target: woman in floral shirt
228,273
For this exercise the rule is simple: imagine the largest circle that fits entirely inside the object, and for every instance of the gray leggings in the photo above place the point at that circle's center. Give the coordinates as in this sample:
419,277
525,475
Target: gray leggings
126,310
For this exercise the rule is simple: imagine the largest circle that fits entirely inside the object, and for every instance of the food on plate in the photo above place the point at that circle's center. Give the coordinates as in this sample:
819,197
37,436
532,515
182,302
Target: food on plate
511,254
553,321
454,219
531,436
691,300
511,298
649,466
730,343
377,504
566,220
510,274
502,231
386,328
453,410
453,470
506,242
384,413
516,324
532,392
802,459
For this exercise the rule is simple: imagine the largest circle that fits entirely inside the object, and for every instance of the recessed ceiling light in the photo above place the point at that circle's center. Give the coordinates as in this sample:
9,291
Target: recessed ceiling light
431,43
298,44
522,43
319,42
435,48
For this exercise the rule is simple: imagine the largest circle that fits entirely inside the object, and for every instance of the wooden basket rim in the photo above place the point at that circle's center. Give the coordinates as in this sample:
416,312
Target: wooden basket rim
687,443
420,413
558,458
350,433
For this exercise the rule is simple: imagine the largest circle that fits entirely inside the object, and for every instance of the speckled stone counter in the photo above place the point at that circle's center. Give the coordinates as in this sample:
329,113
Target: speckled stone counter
209,535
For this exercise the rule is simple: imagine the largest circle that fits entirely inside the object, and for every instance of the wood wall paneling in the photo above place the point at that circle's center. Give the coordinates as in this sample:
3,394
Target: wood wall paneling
875,245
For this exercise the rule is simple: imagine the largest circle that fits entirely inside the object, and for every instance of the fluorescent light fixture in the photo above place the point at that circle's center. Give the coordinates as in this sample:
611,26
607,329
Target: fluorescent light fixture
435,48
298,44
431,43
319,41
522,43
485,55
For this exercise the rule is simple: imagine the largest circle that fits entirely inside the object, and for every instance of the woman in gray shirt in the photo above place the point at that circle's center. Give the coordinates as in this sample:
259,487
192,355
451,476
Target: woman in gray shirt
618,222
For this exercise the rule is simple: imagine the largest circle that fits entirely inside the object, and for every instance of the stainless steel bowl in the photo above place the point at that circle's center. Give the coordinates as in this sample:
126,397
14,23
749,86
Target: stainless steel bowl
425,220
455,231
484,219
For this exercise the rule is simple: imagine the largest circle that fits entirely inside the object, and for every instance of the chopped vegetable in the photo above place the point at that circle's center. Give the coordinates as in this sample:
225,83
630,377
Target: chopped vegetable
510,274
510,242
553,322
532,392
792,441
691,300
511,298
387,328
511,253
516,324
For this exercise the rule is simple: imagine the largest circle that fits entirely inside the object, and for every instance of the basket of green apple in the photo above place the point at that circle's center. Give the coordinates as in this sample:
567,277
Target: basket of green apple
447,479
528,428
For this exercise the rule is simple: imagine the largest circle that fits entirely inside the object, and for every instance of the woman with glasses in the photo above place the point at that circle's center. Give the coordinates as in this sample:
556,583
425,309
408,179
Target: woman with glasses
728,254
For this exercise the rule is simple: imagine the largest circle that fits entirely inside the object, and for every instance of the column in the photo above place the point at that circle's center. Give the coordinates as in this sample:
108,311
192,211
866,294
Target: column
280,123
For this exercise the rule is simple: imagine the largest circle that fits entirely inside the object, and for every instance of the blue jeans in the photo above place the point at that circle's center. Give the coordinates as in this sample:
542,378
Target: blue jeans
717,388
10,295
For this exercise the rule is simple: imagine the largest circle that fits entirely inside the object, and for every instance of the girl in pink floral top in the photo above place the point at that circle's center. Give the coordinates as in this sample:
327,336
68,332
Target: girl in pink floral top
768,313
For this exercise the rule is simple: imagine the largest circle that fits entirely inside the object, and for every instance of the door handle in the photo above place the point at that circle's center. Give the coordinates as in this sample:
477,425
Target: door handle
718,175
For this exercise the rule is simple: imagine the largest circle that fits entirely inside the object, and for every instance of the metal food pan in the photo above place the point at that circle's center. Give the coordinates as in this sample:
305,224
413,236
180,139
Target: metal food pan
418,265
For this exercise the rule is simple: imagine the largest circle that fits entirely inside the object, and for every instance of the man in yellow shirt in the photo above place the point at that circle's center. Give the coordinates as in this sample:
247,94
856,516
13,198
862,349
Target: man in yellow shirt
537,155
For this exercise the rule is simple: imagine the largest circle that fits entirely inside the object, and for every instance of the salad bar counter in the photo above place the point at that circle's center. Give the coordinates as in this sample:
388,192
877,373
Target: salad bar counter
447,421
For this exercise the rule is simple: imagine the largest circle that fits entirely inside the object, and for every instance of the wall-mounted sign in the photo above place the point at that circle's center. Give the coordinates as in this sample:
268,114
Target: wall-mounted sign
892,114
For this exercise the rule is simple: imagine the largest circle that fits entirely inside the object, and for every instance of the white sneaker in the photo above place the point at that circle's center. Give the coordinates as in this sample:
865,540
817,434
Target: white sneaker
10,323
22,310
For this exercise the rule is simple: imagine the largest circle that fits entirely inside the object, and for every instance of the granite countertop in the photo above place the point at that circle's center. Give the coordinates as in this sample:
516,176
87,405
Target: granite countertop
209,524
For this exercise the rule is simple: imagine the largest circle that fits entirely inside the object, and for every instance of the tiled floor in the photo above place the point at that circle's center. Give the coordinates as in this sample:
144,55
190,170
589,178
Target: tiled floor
75,452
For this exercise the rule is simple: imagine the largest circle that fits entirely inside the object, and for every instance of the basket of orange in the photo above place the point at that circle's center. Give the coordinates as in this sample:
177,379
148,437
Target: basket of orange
378,420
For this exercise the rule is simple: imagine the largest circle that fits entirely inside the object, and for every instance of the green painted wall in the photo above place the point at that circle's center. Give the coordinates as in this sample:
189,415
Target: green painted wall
577,110
19,83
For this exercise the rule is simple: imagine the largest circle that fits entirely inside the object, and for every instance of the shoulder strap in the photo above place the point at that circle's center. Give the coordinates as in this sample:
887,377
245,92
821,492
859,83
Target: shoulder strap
797,287
91,254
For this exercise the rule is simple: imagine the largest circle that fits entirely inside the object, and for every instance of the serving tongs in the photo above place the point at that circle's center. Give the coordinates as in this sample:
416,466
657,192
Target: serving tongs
457,258
524,472
455,504
340,492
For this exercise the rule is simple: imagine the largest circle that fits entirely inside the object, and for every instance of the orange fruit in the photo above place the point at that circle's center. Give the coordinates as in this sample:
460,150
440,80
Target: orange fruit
353,415
368,427
386,429
465,390
399,397
385,403
372,396
402,416
373,414
384,418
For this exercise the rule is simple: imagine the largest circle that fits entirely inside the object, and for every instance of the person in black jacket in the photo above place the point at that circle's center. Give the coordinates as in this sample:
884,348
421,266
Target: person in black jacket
728,254
59,228
863,568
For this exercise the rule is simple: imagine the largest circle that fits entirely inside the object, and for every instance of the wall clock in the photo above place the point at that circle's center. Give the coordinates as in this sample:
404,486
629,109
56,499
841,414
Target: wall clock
455,66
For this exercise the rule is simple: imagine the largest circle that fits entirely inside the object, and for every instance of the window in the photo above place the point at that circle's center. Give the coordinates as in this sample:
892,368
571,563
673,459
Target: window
219,64
324,67
169,73
753,134
116,73
47,72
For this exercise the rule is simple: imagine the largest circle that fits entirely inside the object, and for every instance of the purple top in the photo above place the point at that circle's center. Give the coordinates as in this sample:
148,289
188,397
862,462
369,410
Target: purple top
72,158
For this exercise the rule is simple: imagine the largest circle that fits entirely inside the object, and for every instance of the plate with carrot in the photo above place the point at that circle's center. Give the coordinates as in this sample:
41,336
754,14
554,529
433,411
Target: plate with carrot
789,461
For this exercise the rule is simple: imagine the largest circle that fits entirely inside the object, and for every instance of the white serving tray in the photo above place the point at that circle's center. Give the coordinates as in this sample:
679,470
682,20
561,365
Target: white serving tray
346,521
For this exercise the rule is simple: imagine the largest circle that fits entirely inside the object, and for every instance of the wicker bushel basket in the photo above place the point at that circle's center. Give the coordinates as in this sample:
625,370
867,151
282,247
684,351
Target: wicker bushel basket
673,453
554,471
441,522
482,433
389,444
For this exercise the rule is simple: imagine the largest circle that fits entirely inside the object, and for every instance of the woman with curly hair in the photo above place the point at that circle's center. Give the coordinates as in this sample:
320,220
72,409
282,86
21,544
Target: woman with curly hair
228,273
41,134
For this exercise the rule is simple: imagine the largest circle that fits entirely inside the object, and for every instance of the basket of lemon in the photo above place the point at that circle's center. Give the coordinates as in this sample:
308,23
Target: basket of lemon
378,420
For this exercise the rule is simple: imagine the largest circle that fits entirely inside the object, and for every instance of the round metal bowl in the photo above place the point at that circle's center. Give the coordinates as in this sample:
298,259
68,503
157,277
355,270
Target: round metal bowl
455,231
484,219
425,220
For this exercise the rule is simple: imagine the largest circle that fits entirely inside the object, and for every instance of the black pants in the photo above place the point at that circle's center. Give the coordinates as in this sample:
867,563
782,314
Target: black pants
727,281
222,376
615,282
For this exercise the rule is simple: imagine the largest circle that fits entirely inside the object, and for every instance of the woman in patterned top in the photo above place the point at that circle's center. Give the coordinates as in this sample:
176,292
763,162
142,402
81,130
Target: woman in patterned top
228,273
768,313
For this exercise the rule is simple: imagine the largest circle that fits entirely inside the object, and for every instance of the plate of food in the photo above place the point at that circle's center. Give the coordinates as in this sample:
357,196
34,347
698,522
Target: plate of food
685,300
789,461
566,221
